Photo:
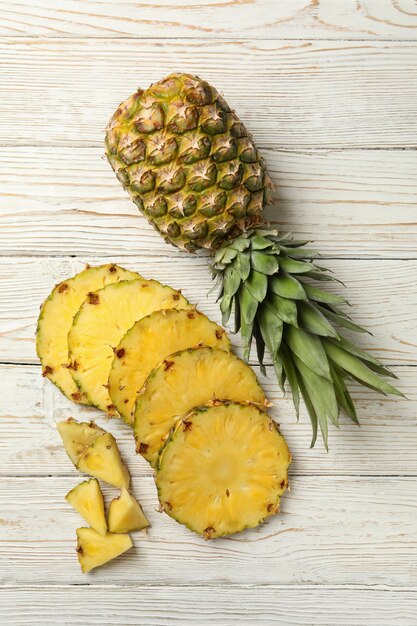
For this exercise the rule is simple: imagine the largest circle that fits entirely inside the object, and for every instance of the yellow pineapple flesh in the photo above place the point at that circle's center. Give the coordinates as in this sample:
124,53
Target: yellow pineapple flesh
87,499
94,550
77,436
224,469
125,514
150,341
55,320
100,324
102,460
185,380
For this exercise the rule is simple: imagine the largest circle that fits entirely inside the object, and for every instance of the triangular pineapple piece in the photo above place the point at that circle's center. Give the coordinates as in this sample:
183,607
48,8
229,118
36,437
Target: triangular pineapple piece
100,324
125,514
77,436
94,550
87,499
149,342
55,319
102,460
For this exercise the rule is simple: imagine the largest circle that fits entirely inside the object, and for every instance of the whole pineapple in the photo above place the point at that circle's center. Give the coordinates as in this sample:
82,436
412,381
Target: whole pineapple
188,162
193,170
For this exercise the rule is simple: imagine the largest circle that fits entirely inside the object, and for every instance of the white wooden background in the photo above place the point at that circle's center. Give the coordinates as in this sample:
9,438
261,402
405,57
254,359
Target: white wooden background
329,90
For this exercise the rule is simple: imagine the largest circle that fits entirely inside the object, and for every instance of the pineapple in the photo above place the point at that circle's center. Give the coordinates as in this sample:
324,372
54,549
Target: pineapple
87,499
94,550
185,380
188,162
77,436
125,514
224,469
148,342
193,170
55,319
102,460
101,323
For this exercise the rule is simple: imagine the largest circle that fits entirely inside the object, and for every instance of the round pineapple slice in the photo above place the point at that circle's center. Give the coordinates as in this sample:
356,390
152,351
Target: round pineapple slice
55,319
148,342
224,469
102,321
183,381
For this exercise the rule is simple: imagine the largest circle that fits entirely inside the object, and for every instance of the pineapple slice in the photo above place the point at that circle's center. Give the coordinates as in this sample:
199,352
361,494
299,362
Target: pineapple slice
102,460
87,499
148,342
100,324
125,514
55,319
77,436
94,550
224,469
185,380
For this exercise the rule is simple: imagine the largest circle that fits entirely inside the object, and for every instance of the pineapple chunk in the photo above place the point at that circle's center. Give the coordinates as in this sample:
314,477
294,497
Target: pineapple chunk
188,379
87,499
77,436
100,324
224,469
102,460
125,514
55,320
94,550
151,340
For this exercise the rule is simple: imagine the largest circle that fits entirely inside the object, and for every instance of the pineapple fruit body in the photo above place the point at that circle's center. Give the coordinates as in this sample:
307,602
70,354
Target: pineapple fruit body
100,324
77,437
188,162
223,469
87,499
56,317
94,550
102,460
150,341
188,379
125,514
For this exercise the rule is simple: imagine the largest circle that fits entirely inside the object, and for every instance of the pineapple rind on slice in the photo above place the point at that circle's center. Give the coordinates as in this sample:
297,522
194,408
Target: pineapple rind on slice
149,342
87,499
94,549
223,469
187,379
102,321
77,436
102,460
55,319
125,514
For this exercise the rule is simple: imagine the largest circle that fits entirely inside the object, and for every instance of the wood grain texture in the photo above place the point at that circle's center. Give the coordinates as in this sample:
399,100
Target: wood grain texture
302,94
311,19
378,290
332,530
272,605
386,443
66,200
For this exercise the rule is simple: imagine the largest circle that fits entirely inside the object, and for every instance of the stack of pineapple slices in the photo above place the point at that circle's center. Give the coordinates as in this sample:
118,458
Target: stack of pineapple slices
139,350
95,452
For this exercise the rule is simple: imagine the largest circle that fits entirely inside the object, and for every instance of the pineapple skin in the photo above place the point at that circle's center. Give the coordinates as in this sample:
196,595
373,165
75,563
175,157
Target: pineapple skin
202,500
187,379
188,162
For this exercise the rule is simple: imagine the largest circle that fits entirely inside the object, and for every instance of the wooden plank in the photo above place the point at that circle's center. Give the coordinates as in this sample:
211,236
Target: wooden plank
379,291
332,530
208,606
305,94
350,202
384,445
296,19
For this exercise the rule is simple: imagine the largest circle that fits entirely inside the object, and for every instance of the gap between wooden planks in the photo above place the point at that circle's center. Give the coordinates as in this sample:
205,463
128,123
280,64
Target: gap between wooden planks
66,200
290,94
307,19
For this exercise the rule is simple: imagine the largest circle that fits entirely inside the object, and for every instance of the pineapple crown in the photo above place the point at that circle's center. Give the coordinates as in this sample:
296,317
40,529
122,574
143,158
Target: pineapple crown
267,280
